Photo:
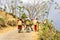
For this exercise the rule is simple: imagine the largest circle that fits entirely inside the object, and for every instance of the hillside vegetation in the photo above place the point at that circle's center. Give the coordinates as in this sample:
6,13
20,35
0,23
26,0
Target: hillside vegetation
7,20
47,32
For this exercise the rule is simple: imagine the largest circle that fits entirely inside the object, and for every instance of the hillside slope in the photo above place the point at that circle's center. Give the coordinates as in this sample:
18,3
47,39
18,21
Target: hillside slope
6,18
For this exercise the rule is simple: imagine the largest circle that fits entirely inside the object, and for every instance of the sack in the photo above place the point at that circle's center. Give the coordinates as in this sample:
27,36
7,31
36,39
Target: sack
27,22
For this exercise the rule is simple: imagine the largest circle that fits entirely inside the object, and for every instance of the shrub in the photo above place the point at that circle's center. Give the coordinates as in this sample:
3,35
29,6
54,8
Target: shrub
48,32
12,23
2,22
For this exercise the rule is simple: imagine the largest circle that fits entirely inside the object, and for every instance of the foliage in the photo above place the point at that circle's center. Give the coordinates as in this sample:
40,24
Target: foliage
48,32
5,7
23,16
27,22
2,22
21,10
52,0
12,15
12,23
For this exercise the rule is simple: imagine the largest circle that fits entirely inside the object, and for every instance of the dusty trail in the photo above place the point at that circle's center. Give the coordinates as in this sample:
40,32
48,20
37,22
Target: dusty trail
14,35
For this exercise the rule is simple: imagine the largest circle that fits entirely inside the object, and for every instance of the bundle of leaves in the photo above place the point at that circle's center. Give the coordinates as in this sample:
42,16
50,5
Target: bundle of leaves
48,32
12,23
2,22
28,22
23,16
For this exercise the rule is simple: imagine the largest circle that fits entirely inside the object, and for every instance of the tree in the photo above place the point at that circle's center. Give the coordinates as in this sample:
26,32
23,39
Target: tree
12,6
5,7
5,11
37,9
57,7
23,16
21,9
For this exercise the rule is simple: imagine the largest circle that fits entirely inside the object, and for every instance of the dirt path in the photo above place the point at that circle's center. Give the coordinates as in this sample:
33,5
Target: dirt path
14,35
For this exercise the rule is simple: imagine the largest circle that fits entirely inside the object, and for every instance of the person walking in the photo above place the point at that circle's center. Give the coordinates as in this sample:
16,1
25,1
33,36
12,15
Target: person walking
35,25
19,25
31,24
28,25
